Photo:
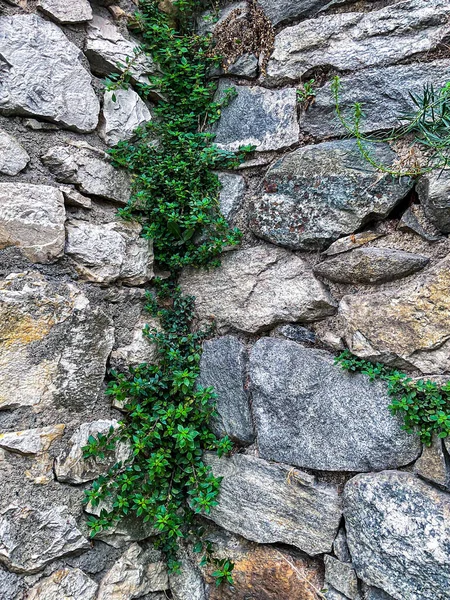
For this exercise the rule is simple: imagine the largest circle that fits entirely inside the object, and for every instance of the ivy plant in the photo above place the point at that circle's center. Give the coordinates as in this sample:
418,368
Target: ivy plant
423,404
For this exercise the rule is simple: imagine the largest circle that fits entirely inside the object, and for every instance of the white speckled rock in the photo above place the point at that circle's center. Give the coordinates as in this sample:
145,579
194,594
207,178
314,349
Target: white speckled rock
43,75
13,158
32,218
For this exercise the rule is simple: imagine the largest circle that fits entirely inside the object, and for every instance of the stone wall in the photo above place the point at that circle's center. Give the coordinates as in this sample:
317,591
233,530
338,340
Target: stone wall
326,491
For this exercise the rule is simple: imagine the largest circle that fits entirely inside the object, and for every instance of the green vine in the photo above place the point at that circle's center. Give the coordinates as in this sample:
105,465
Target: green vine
164,480
428,128
424,404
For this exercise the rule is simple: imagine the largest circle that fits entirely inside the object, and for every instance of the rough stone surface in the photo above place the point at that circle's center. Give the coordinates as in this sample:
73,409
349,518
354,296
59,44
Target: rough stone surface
264,572
333,594
74,198
434,195
259,117
30,539
269,503
407,325
372,593
32,218
350,242
340,547
13,158
135,574
257,288
296,333
357,40
42,74
188,584
382,109
232,193
341,576
245,66
90,170
310,413
318,193
77,11
282,11
223,366
31,441
139,350
121,116
433,465
106,253
54,343
64,584
371,265
70,467
109,51
398,531
414,221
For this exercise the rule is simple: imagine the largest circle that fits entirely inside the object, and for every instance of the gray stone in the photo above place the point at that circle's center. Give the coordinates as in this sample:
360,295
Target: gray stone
398,531
383,109
71,467
109,52
42,74
333,594
257,288
210,19
232,193
89,169
12,585
64,584
74,198
350,242
269,503
405,326
245,66
414,221
310,413
340,547
53,344
223,366
318,193
30,539
259,117
351,41
432,465
372,593
371,265
434,195
31,441
32,218
283,11
13,158
110,252
296,333
188,584
75,11
139,350
36,125
121,116
136,573
341,576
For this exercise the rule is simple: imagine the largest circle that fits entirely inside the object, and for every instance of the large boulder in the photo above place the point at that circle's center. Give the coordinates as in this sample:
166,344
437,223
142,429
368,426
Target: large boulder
54,343
257,288
64,584
351,41
30,538
433,190
32,218
318,193
90,170
382,109
259,117
398,532
310,413
223,366
269,503
406,326
13,158
371,265
110,252
123,111
42,74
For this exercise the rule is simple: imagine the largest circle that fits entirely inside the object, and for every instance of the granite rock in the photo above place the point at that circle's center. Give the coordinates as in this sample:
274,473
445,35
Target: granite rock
232,193
433,190
341,576
433,464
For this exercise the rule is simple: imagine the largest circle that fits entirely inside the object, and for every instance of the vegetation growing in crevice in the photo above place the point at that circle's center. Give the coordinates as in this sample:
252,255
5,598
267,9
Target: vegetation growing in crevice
164,480
423,404
427,130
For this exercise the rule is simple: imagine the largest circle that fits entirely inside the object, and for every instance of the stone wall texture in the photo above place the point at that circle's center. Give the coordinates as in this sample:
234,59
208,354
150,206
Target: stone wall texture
326,496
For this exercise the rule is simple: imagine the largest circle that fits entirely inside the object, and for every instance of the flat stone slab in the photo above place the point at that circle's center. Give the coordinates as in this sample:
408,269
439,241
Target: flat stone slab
261,502
318,193
398,532
352,41
75,11
257,288
42,75
310,413
259,117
